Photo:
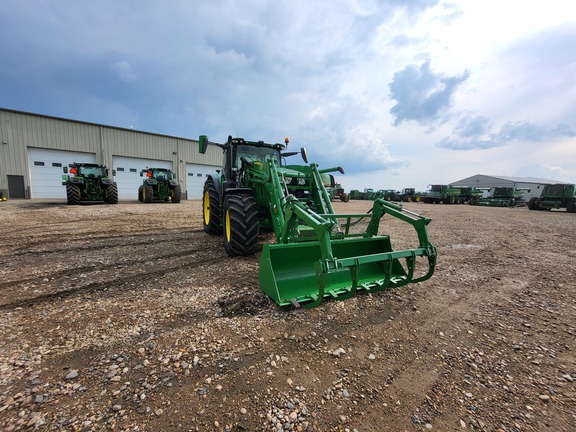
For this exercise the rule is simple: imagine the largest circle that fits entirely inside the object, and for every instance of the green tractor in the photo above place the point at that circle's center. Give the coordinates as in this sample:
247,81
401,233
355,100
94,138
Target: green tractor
159,184
556,196
316,254
87,182
337,192
355,194
407,195
469,195
502,197
445,194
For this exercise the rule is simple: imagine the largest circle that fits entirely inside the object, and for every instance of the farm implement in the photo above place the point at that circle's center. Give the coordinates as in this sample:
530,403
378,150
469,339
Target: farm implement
318,254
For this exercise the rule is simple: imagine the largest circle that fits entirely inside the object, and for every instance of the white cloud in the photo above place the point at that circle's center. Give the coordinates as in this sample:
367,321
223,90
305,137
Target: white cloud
124,71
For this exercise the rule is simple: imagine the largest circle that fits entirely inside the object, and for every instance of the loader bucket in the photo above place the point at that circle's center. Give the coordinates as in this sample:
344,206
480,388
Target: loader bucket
295,274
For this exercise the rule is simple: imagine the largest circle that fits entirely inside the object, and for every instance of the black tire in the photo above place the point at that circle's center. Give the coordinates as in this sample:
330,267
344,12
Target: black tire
176,194
211,208
148,193
240,225
571,205
345,198
72,194
531,203
538,204
141,193
112,194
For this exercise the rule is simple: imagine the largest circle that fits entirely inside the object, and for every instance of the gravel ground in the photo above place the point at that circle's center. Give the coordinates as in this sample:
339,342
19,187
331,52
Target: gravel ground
130,317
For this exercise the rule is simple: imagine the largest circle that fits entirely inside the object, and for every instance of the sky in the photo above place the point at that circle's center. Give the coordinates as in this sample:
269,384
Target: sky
400,93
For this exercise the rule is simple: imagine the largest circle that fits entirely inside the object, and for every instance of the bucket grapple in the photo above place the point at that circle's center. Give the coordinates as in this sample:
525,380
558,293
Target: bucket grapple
318,254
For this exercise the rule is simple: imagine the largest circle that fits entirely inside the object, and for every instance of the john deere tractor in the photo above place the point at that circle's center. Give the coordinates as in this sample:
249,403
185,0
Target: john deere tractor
159,184
87,182
555,196
317,254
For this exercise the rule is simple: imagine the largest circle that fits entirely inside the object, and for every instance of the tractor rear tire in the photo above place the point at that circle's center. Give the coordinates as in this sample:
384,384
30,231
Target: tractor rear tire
240,225
112,194
531,203
538,204
571,205
141,193
211,208
176,194
72,194
148,193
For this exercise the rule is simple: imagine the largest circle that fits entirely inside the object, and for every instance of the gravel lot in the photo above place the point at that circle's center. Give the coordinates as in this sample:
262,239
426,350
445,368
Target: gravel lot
130,317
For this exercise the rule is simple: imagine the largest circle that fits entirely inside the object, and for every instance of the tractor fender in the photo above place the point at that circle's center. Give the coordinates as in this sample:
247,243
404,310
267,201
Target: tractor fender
239,191
217,184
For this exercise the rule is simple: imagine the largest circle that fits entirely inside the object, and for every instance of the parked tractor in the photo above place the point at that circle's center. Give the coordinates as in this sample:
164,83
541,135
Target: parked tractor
502,197
87,182
159,184
555,196
445,194
469,195
316,255
407,195
355,194
337,192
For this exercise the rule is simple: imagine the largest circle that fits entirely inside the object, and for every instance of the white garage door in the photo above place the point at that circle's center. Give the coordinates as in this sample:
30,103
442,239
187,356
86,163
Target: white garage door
46,170
195,178
128,174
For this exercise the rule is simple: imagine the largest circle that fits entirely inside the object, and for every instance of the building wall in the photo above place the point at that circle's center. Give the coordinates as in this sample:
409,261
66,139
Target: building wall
20,130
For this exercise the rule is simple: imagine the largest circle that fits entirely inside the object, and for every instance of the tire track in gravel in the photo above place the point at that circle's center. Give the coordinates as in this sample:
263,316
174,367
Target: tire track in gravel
108,285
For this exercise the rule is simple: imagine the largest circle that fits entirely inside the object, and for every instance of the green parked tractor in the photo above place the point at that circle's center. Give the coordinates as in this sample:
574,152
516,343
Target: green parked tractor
337,192
316,255
87,182
159,184
502,197
445,194
555,196
407,195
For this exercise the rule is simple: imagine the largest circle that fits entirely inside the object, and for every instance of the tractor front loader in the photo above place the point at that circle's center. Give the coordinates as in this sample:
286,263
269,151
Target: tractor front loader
318,254
89,182
159,184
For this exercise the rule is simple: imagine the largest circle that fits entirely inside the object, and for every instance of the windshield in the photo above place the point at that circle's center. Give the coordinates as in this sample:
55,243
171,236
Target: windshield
88,171
253,153
162,175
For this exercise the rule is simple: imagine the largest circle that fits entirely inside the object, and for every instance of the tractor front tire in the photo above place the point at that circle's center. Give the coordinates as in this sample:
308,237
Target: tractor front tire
148,193
240,225
531,203
211,208
141,193
176,194
72,194
112,194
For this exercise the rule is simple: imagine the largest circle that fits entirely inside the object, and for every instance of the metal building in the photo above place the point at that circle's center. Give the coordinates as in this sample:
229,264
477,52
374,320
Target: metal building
532,186
34,148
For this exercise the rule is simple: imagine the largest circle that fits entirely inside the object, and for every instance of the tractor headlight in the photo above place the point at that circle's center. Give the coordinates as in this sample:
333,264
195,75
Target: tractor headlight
301,181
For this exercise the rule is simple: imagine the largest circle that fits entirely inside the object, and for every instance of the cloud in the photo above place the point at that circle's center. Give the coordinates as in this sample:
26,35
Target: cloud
124,70
420,94
473,133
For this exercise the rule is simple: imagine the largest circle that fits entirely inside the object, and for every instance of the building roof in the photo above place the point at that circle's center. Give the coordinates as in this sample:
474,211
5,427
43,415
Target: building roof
495,180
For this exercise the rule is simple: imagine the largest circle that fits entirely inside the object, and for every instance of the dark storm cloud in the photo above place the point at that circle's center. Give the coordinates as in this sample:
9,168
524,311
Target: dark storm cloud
420,94
476,134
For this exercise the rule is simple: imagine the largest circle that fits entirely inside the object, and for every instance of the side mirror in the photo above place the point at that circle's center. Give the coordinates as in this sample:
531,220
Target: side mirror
65,170
141,173
202,143
304,154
